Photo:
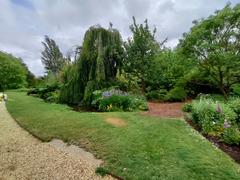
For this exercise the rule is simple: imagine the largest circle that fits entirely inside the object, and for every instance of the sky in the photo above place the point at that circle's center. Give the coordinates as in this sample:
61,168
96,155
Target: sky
23,23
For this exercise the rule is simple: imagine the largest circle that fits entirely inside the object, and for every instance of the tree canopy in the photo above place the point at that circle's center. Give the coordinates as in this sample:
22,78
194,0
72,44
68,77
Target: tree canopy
140,51
52,57
215,44
12,73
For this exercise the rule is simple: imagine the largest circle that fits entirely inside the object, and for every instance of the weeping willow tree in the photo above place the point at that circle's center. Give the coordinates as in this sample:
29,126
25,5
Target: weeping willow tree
96,68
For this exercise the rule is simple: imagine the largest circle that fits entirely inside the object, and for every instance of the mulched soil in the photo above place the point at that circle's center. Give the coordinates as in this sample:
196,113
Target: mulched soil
231,150
174,110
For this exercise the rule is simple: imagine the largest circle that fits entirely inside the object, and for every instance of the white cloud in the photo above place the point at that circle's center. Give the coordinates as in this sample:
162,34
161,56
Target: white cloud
24,24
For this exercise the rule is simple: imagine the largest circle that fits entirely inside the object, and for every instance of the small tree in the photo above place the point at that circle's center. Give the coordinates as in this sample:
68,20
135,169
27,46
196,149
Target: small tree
215,44
12,73
52,57
140,51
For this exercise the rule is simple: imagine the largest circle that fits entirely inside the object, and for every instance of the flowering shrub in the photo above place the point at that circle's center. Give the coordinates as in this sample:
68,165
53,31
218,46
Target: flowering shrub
217,118
117,100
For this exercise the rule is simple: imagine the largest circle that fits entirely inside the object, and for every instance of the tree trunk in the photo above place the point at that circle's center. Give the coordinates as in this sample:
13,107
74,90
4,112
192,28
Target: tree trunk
224,91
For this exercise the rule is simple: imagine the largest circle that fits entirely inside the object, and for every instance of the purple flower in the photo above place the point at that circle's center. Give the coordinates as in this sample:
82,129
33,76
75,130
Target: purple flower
112,92
226,124
218,109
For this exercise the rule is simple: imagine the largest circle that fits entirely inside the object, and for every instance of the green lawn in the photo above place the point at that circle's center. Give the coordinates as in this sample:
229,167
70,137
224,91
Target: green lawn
146,148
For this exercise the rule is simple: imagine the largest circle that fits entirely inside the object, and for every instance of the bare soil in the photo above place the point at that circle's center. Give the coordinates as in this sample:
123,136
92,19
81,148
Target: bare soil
117,122
170,110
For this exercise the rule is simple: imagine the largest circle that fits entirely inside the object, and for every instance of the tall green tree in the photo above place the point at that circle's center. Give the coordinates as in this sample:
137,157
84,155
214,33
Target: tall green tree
52,57
140,51
166,69
31,79
12,73
215,44
97,66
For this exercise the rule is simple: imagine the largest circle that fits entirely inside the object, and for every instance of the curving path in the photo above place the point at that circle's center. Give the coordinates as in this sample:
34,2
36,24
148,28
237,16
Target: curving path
24,157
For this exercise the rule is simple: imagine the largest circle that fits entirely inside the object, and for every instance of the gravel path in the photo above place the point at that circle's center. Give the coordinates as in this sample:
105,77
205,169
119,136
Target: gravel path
24,157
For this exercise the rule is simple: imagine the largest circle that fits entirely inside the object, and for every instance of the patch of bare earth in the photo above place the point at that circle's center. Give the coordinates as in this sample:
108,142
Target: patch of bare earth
170,110
117,122
24,157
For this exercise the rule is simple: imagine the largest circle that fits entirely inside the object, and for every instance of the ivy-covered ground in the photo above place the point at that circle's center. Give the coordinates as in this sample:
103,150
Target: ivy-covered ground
141,147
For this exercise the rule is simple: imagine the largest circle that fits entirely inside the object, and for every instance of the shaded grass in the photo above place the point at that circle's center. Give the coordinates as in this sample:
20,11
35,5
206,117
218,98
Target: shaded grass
147,148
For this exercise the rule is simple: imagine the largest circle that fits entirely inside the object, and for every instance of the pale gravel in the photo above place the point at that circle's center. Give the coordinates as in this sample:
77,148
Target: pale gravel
24,157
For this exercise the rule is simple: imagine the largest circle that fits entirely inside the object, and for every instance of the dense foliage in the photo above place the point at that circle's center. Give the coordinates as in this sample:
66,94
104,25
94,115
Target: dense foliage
214,43
117,100
96,68
217,118
140,52
12,72
49,93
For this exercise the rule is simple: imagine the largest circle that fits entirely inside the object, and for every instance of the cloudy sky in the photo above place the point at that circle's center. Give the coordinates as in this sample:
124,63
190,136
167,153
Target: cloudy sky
23,23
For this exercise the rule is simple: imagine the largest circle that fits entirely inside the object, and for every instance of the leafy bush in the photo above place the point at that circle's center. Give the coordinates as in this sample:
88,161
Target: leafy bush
235,105
236,90
156,94
214,97
231,135
216,118
117,100
176,94
115,103
49,93
13,74
187,107
210,115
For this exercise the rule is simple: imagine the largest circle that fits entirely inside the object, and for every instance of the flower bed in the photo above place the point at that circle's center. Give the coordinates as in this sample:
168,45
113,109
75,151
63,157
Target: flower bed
218,121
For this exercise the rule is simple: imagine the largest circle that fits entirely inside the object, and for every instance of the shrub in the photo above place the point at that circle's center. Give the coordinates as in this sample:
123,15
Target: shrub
231,135
176,94
214,97
49,93
236,90
235,105
156,94
187,107
115,103
210,115
53,97
117,100
138,102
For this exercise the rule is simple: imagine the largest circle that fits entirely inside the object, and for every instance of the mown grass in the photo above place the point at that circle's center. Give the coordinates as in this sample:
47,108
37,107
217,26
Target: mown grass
147,148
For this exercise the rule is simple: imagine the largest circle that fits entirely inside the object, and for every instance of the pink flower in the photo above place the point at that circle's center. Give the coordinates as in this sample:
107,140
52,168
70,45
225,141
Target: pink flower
218,109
